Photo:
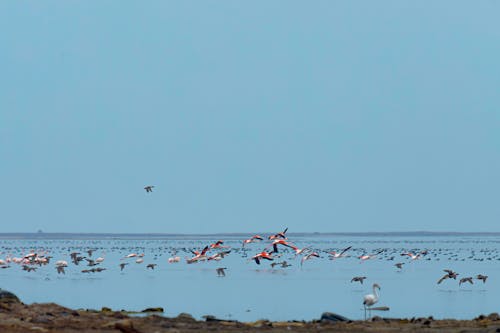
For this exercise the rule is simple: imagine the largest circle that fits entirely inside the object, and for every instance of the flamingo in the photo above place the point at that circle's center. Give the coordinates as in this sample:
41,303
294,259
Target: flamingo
298,251
198,256
253,239
309,256
336,255
371,299
149,188
281,242
218,245
369,256
172,260
218,256
131,255
411,255
220,271
262,255
100,259
279,235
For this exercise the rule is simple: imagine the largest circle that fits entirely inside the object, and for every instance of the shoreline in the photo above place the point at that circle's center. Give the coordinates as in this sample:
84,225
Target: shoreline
16,317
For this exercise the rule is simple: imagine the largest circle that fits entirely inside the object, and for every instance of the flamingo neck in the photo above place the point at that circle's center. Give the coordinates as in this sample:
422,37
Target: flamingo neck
375,292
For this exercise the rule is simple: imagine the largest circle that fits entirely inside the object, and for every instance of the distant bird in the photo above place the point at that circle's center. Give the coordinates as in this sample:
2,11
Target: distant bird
411,255
308,257
482,277
198,256
152,266
466,279
253,239
279,234
371,299
336,255
28,268
172,260
218,245
449,275
263,255
94,270
99,260
359,279
60,265
149,188
139,261
89,252
122,265
220,271
369,256
91,262
399,265
218,256
283,264
281,242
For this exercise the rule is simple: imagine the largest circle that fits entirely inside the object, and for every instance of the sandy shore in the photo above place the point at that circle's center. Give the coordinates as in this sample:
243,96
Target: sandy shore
16,317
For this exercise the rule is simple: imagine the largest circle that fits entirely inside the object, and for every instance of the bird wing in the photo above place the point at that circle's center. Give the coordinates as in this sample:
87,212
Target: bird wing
345,250
443,278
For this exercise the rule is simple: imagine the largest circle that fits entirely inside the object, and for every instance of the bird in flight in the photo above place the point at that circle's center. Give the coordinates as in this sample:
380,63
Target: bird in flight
359,279
465,279
220,271
149,188
482,277
449,275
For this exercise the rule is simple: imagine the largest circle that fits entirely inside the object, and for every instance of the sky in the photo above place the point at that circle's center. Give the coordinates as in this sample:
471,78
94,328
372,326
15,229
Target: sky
320,116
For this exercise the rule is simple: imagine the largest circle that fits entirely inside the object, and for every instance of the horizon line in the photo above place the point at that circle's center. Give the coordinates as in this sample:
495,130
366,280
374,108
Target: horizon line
61,235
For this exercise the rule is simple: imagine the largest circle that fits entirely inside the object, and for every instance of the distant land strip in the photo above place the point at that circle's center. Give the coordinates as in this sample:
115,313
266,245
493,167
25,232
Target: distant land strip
68,235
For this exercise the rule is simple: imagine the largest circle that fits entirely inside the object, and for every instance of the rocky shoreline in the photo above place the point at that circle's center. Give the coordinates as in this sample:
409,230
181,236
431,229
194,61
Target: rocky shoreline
16,317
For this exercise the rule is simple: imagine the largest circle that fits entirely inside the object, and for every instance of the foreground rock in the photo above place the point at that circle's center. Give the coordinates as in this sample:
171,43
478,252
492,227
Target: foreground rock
16,317
8,297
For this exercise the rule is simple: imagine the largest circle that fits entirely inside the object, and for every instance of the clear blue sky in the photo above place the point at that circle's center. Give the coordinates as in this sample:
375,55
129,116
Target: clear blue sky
248,116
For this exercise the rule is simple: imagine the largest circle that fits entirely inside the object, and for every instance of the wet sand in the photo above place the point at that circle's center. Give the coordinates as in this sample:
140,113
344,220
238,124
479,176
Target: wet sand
20,318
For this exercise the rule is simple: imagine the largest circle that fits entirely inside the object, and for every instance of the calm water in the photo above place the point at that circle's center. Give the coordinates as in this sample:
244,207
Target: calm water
251,292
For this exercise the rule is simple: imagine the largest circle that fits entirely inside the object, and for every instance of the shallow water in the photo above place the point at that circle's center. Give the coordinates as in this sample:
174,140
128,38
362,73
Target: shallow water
250,291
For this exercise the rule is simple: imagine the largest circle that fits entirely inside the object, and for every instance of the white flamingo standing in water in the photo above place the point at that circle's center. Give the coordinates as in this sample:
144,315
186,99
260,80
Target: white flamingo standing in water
371,299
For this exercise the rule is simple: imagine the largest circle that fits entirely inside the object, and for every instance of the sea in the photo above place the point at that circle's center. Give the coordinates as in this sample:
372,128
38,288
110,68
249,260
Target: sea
249,292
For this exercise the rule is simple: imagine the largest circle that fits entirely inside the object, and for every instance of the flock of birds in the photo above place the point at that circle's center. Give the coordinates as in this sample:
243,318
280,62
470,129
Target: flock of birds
276,245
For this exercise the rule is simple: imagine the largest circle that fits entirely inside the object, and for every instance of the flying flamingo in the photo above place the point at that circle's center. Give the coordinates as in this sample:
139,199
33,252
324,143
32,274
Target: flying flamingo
218,256
218,245
262,255
279,235
308,257
336,255
100,259
198,256
371,299
281,242
252,239
133,255
411,255
369,256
